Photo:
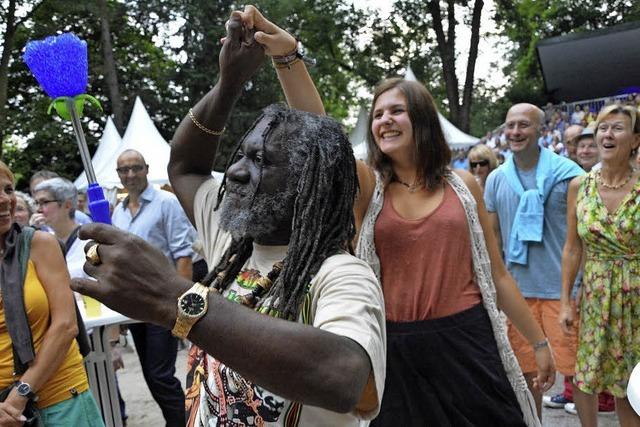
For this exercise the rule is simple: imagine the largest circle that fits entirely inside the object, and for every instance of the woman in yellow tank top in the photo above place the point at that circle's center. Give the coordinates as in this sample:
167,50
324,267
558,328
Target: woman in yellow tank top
54,377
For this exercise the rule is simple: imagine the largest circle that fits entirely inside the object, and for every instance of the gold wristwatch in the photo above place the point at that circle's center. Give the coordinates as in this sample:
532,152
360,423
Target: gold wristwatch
192,305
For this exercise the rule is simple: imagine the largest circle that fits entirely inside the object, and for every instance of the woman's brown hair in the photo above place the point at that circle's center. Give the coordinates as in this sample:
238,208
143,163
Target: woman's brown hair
431,151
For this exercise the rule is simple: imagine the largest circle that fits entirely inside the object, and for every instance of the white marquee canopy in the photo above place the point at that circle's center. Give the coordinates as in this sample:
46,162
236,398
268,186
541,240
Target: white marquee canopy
141,135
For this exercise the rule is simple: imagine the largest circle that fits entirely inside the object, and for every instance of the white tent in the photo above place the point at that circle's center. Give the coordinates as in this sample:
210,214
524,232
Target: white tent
358,137
454,136
109,142
141,135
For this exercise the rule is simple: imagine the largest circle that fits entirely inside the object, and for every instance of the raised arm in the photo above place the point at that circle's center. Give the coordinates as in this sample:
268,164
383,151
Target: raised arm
195,142
571,258
298,87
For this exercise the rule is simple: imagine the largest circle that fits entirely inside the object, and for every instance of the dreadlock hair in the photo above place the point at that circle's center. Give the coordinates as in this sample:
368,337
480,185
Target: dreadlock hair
322,223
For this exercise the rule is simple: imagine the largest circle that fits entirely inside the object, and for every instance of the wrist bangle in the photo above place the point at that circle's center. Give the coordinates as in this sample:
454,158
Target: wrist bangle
541,344
202,127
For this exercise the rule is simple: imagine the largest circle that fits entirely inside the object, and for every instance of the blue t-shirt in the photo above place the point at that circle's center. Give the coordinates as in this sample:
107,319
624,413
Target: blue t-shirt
541,277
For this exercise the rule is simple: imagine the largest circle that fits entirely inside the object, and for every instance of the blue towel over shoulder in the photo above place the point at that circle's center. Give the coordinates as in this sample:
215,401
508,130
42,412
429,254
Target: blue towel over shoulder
529,220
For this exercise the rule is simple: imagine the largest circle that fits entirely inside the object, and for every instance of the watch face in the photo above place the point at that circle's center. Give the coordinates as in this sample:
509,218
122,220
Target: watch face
192,304
23,389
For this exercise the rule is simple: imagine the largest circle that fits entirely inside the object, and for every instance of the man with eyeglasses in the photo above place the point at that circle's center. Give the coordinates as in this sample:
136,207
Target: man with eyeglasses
158,218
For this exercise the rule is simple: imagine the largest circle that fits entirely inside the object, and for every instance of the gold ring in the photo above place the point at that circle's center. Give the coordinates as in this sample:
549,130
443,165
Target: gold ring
92,255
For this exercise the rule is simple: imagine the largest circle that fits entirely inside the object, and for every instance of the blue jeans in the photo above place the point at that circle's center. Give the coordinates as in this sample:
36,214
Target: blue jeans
157,350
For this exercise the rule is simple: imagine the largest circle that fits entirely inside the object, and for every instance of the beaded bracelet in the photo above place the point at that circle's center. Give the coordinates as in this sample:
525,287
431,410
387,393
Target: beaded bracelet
541,344
202,127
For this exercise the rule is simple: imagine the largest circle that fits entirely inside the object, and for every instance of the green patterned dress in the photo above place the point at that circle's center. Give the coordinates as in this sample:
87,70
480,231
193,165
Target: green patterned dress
609,345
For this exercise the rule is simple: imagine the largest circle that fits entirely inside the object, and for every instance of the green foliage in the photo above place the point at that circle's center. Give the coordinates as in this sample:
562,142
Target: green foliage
166,52
488,110
49,142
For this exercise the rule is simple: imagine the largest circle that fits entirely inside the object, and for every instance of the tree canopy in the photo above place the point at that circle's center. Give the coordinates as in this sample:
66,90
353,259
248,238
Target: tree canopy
166,52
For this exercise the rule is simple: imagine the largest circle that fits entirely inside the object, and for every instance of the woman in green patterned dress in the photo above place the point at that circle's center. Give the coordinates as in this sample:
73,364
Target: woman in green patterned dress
603,224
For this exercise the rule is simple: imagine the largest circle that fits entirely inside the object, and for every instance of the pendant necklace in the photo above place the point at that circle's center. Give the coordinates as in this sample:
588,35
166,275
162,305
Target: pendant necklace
411,187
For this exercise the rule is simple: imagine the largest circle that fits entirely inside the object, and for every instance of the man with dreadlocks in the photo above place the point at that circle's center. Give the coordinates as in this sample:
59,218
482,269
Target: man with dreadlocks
289,326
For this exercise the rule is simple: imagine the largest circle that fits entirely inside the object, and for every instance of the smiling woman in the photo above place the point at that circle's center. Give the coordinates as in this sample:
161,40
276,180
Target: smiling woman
37,345
603,214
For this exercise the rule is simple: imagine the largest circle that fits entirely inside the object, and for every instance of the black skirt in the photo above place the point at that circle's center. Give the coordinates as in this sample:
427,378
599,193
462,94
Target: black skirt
446,372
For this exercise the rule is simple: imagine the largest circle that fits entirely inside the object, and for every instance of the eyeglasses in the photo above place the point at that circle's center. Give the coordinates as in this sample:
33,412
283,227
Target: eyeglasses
478,163
43,203
123,170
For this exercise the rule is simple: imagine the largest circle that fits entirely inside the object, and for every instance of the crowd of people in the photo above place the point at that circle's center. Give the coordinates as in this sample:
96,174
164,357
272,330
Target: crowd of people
404,290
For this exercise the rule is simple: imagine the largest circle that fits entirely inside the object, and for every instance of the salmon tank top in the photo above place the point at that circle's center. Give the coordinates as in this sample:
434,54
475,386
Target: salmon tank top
426,266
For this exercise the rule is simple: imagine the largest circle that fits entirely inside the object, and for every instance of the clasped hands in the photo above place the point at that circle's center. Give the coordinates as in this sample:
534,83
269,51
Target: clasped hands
249,36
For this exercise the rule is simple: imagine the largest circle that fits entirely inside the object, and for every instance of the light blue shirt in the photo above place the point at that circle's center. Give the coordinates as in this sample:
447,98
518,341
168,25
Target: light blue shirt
540,277
460,164
81,217
160,221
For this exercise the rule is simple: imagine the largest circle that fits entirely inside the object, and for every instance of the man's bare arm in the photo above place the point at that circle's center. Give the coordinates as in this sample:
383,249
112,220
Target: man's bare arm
296,361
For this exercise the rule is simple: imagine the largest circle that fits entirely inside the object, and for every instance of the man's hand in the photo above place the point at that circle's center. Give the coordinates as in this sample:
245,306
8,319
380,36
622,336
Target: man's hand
133,278
276,41
240,56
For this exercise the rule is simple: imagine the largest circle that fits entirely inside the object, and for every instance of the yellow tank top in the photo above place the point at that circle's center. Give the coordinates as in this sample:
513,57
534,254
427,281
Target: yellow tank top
71,376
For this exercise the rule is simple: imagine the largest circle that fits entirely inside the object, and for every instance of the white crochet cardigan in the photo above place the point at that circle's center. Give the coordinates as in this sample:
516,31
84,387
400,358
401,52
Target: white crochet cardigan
366,251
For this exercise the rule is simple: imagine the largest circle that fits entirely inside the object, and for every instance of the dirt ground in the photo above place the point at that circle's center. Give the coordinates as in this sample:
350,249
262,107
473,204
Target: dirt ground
144,412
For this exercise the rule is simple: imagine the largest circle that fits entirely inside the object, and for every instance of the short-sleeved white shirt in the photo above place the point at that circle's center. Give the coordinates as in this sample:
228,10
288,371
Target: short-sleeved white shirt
346,300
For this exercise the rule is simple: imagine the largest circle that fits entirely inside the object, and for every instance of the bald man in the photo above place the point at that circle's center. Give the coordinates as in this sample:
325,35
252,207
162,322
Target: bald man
527,202
570,139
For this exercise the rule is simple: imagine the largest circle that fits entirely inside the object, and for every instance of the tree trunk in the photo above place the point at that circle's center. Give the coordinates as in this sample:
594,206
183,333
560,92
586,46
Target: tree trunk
467,96
460,113
111,74
446,50
7,49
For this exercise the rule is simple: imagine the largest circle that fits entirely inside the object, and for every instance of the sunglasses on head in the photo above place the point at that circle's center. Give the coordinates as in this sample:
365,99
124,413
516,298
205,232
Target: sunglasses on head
478,163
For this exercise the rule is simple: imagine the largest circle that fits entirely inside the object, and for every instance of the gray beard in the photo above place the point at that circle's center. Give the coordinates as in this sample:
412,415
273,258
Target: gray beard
259,220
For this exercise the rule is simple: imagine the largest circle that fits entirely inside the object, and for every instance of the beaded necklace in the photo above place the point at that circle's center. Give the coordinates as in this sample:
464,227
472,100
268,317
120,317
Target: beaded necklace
613,187
262,284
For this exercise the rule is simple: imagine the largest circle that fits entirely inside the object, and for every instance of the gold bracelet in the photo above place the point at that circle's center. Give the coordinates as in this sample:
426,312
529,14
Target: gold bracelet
202,127
287,65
